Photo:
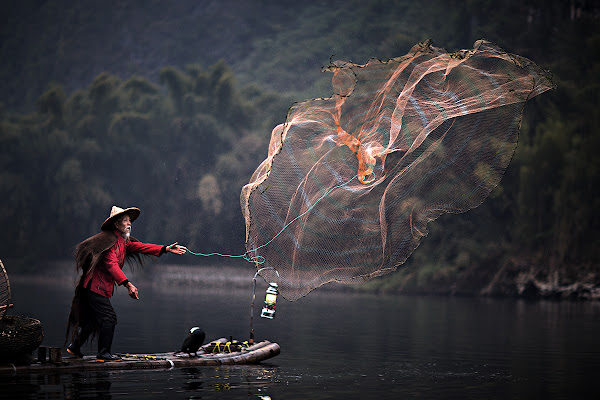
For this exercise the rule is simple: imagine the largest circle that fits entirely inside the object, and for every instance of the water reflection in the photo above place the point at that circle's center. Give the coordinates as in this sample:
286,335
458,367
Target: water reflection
96,385
193,380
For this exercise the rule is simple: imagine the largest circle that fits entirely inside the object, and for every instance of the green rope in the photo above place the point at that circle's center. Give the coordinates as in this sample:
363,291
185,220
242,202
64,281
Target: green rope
261,259
258,259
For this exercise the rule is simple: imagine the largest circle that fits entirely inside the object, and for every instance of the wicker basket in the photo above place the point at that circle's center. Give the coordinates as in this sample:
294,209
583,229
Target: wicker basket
19,336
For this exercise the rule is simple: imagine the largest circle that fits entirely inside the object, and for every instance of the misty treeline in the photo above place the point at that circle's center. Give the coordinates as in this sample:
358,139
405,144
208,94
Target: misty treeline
181,148
180,151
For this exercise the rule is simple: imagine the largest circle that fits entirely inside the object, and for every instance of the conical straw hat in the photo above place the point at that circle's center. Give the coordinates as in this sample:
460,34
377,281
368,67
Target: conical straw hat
115,213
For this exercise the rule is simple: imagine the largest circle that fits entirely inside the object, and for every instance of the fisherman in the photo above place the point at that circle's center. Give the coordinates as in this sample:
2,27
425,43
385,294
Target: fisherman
101,259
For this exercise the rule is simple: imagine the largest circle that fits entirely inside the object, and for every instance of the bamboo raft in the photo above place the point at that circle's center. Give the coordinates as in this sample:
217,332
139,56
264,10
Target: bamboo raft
247,355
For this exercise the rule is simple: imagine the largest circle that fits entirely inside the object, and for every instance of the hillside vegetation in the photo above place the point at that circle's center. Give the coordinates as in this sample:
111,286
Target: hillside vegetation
169,106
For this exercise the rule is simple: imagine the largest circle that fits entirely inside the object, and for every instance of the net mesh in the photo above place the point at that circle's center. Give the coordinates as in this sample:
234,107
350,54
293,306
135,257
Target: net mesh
351,181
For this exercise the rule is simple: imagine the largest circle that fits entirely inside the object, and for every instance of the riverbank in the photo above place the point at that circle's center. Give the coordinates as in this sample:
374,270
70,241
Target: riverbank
516,278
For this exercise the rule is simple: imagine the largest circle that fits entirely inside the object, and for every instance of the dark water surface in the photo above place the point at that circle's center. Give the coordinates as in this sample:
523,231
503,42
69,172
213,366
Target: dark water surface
333,346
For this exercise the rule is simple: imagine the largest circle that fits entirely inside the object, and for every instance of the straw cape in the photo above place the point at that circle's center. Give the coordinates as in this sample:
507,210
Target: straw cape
115,213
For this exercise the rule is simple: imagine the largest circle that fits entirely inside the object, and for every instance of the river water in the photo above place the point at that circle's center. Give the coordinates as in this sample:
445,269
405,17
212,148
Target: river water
333,346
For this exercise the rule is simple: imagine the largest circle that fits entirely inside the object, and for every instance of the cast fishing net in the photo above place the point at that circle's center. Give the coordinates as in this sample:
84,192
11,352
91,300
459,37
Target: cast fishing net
351,181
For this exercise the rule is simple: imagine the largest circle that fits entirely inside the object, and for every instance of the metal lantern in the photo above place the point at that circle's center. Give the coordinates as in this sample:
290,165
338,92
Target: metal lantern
271,297
268,310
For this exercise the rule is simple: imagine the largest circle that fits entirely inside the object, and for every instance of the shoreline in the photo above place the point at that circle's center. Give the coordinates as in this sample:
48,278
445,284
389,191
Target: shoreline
520,286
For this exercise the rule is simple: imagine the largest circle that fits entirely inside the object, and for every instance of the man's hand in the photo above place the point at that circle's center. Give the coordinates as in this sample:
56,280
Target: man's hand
133,292
175,249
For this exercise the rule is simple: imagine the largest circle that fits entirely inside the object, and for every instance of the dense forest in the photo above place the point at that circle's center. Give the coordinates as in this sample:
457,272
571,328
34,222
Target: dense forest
168,106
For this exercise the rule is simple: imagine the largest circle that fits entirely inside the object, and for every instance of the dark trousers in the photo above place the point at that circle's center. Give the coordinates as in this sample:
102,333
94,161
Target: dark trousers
99,309
99,317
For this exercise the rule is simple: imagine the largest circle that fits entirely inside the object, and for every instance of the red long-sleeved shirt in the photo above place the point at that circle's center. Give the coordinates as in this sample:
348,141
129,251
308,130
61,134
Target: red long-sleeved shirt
110,268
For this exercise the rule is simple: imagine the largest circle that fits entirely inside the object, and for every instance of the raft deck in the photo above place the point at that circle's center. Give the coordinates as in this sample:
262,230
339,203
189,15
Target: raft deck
249,355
